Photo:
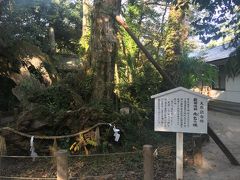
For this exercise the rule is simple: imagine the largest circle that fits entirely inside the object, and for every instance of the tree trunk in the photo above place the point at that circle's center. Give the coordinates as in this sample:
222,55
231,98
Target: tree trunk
86,18
104,47
85,38
175,31
175,37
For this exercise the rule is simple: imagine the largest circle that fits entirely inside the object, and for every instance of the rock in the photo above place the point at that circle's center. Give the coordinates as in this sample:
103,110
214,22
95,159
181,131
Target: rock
32,120
6,120
38,124
125,110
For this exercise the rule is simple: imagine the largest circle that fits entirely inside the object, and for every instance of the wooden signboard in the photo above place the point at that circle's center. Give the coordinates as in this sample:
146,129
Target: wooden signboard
180,110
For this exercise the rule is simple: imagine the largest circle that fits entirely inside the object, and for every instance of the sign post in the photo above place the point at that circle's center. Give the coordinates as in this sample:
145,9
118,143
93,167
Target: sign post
182,111
179,156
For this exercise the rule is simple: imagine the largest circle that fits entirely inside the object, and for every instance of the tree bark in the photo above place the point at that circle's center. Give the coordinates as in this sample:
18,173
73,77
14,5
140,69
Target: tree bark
86,18
174,41
104,48
85,38
175,31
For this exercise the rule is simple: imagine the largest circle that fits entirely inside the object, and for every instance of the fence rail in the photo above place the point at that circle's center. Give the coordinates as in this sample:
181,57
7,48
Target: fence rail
90,155
129,165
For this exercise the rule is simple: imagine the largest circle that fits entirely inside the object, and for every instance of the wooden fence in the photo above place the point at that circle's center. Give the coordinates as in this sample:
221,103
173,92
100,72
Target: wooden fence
62,164
62,157
163,157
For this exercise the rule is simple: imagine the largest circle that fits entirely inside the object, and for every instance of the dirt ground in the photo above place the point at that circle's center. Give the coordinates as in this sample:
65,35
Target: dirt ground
121,167
215,164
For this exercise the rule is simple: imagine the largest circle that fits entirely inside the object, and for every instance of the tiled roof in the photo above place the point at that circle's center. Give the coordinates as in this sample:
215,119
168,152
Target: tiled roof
215,53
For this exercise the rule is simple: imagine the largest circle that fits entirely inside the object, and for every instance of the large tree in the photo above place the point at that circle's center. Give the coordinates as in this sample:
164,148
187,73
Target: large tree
85,38
176,30
104,47
176,36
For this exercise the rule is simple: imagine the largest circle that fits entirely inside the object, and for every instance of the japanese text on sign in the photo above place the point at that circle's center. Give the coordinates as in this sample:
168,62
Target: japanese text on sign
181,112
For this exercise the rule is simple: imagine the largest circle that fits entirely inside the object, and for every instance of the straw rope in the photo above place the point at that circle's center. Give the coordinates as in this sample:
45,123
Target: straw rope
52,137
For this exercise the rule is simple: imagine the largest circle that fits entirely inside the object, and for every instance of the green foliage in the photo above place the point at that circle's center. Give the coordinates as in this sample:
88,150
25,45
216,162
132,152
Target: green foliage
145,84
91,142
57,98
28,87
173,44
217,19
80,83
84,44
24,29
137,130
194,72
31,86
66,104
24,21
65,17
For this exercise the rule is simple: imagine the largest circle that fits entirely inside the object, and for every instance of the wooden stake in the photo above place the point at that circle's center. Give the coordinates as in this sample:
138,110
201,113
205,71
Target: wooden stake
97,136
3,147
148,162
179,156
62,165
53,150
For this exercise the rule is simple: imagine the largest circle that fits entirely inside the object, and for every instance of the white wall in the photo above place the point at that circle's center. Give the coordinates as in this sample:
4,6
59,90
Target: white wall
231,93
233,84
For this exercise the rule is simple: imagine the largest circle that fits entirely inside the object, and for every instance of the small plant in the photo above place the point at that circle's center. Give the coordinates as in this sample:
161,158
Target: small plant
27,88
82,142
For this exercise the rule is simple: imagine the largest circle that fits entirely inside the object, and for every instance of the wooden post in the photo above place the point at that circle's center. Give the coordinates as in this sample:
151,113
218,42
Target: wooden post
3,149
97,136
148,162
3,146
179,156
62,165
